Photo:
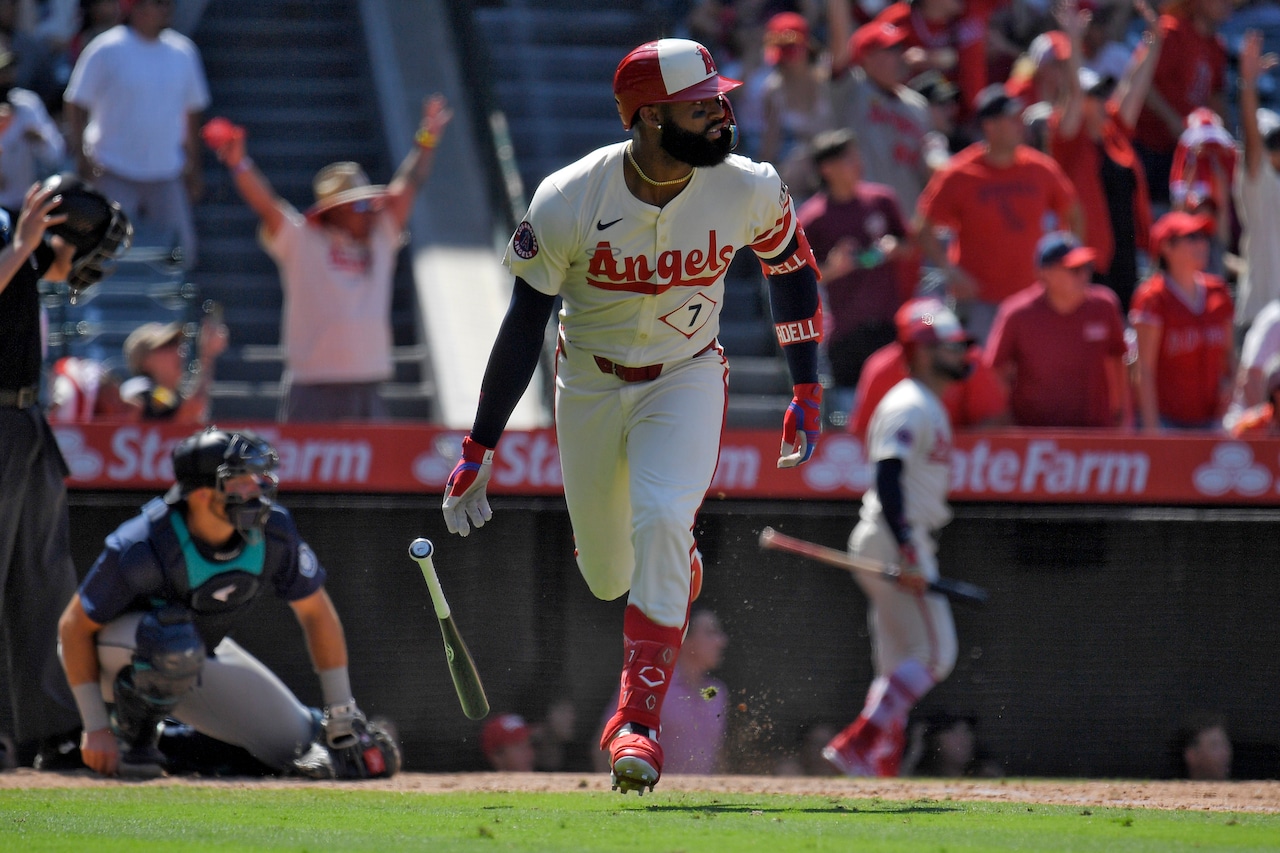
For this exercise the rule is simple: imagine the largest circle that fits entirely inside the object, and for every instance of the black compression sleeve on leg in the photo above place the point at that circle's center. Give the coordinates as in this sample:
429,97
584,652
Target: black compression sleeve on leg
512,361
892,503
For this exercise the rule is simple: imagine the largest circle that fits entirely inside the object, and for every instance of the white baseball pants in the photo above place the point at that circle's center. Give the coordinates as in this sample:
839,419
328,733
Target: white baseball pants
904,625
638,458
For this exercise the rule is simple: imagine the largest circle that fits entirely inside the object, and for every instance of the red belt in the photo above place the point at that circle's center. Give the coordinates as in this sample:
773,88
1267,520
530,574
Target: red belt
639,374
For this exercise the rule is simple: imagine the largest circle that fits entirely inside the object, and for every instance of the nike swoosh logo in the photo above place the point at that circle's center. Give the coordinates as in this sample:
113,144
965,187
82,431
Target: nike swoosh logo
600,226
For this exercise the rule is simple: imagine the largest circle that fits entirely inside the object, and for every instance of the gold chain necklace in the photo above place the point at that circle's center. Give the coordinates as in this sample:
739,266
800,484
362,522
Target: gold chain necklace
650,181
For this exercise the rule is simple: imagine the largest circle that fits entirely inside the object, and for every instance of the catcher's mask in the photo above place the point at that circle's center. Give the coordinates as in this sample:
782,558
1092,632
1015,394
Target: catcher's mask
95,225
238,465
669,71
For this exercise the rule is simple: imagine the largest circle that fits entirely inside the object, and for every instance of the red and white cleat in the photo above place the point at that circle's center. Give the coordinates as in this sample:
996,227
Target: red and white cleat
636,760
848,761
886,753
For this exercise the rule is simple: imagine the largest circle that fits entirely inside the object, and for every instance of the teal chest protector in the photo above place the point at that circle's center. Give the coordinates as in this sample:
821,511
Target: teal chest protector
217,587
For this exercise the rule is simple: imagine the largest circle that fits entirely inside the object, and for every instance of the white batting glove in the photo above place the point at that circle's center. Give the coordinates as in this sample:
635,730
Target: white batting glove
465,502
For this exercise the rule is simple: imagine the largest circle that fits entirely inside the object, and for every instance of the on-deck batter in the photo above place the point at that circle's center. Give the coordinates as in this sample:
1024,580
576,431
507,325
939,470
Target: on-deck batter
636,239
913,637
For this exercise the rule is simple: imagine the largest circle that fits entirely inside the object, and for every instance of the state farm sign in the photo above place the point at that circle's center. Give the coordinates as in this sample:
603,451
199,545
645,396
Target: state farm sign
1010,465
137,455
1043,467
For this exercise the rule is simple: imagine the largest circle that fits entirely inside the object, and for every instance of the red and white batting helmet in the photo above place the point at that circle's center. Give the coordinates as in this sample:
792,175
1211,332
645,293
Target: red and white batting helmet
929,321
667,71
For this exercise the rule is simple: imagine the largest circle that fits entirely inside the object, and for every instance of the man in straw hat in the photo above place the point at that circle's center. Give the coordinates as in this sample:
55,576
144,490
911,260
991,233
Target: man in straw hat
336,261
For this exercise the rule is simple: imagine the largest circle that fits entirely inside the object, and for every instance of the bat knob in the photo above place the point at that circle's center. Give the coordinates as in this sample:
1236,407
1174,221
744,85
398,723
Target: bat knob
421,548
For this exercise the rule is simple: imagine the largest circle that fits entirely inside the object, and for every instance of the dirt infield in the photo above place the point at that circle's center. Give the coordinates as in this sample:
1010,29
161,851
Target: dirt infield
1197,796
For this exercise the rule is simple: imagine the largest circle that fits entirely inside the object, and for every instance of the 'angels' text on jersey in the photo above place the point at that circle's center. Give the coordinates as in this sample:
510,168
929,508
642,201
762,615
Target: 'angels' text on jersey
641,284
611,269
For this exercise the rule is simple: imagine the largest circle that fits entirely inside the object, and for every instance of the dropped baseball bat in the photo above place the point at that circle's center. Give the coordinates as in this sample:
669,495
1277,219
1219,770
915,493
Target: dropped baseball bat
959,590
466,680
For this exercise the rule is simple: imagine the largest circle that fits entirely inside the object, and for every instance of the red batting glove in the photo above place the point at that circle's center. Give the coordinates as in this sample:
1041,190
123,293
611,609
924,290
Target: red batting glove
465,502
801,425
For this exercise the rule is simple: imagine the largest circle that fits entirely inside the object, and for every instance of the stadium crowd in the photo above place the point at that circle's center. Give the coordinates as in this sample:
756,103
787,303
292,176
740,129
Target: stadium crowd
1088,184
966,134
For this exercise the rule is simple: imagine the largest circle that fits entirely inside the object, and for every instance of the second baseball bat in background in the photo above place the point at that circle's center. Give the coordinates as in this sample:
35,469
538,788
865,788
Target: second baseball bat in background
466,680
956,589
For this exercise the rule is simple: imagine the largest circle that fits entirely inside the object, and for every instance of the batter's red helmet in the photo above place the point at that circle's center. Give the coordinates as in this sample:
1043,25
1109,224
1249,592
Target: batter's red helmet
667,71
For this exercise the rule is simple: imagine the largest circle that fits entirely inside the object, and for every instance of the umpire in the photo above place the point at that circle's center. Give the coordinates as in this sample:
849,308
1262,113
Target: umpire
37,575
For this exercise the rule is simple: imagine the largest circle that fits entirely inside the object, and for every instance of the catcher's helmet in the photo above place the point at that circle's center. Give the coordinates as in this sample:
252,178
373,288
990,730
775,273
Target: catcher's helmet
95,225
212,456
668,71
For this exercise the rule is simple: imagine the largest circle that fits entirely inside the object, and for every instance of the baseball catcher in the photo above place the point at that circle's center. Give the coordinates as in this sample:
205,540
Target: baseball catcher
93,223
147,630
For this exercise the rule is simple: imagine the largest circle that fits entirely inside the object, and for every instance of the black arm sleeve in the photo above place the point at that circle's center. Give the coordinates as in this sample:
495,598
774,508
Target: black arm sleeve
793,296
512,361
889,488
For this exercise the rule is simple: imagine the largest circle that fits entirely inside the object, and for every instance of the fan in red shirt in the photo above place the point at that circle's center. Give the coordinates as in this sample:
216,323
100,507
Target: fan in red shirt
995,196
1191,73
1059,344
1183,317
979,400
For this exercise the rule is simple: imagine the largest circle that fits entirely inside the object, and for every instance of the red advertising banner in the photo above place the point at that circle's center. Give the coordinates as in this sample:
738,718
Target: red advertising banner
1031,466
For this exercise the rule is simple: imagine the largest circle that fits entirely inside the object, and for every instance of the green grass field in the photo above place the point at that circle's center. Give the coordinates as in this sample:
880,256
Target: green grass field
138,817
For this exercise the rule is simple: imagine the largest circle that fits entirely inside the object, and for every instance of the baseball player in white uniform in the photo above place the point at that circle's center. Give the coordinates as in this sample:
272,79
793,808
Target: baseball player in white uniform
913,637
636,239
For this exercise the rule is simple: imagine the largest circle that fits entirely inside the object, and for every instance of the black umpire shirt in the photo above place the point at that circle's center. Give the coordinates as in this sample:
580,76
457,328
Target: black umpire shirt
20,344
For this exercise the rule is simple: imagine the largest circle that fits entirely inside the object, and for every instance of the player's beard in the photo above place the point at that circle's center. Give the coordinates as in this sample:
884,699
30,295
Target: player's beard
958,371
695,148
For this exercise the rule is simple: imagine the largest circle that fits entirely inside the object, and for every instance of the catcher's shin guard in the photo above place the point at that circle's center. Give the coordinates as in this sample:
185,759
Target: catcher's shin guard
650,651
136,723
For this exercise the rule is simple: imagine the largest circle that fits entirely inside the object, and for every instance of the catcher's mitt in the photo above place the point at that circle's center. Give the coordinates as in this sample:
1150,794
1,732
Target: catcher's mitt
374,754
95,225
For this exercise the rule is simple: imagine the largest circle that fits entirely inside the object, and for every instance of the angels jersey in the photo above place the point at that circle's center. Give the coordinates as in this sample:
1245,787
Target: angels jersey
640,284
910,424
